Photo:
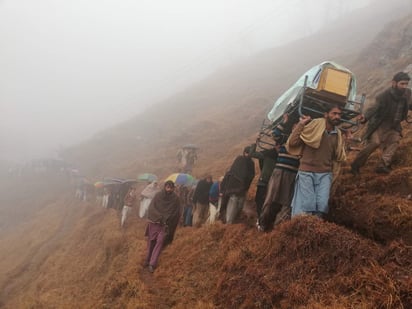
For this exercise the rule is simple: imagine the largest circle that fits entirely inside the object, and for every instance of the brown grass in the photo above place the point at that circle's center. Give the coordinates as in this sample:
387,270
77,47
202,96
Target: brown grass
63,253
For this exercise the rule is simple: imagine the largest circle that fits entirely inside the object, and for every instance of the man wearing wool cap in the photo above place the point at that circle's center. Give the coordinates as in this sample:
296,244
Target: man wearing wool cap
384,124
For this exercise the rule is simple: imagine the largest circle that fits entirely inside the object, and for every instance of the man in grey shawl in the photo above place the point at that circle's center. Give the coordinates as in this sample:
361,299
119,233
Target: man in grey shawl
163,217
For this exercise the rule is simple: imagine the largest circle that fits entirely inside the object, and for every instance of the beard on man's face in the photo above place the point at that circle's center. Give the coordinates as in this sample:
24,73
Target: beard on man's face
169,191
334,122
399,91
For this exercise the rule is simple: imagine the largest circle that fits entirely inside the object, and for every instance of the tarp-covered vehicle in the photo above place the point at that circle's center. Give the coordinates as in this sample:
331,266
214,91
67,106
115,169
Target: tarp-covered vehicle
320,87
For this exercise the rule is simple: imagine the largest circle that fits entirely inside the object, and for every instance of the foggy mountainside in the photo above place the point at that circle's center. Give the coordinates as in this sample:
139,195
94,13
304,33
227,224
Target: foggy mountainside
234,101
59,252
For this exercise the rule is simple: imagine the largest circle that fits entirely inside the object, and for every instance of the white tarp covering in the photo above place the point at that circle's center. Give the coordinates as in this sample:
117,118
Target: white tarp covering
313,75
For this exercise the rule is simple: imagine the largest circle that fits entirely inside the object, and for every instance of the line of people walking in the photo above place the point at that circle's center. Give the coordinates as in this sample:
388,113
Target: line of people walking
296,173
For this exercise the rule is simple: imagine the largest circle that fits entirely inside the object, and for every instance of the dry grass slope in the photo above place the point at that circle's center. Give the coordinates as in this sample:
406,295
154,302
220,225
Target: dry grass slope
69,254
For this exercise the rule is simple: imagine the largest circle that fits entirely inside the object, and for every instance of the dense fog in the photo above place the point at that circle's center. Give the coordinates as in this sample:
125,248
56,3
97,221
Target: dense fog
72,68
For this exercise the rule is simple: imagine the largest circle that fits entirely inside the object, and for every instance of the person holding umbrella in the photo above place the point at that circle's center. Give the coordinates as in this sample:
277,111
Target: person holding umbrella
186,157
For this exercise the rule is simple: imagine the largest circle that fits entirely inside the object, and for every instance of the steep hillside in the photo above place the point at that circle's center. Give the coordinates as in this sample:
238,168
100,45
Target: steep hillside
63,253
225,111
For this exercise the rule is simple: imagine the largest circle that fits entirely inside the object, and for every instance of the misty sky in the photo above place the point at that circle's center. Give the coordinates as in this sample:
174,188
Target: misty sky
69,68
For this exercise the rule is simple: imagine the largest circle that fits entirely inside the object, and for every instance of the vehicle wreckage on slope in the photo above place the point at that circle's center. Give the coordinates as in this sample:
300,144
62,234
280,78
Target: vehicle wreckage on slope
324,85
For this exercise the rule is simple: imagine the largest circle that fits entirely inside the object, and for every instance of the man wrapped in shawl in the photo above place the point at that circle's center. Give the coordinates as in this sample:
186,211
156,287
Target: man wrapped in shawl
321,146
163,216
